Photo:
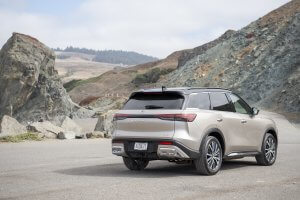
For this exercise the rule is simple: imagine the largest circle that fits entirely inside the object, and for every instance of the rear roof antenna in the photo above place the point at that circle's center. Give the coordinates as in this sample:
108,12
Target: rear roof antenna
163,88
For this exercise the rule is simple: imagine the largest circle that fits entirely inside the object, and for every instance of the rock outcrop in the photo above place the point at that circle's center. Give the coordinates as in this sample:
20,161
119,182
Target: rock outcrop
30,89
10,126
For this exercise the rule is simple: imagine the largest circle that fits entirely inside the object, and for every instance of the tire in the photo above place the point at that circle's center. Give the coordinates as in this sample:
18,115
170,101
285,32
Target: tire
210,159
136,165
268,151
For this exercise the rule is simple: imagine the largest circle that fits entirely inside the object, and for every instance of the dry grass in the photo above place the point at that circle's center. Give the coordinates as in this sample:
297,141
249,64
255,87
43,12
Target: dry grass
119,81
88,100
77,68
20,138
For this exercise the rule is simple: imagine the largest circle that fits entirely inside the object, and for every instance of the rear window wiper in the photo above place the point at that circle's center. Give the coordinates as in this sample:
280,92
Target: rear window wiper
153,107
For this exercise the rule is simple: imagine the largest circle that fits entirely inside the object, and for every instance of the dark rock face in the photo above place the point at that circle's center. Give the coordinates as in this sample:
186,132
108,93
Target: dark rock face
261,62
30,88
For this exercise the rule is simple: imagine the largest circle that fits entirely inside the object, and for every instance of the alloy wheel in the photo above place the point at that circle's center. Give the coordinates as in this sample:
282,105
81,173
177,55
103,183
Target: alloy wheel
270,150
213,156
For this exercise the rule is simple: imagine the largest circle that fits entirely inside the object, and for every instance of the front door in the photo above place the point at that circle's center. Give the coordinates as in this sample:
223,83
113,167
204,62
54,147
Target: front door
247,125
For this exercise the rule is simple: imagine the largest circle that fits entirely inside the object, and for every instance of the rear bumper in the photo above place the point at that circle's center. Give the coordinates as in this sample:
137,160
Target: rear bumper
155,151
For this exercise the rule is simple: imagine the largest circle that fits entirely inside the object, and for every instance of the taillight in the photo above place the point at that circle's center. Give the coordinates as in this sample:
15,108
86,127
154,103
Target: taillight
172,117
166,116
178,117
119,116
166,143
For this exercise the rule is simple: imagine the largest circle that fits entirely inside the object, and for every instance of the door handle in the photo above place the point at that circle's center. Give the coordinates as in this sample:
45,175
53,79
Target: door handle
243,121
219,120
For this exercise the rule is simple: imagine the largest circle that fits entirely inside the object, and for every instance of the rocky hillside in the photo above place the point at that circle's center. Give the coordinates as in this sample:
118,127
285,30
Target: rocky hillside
260,62
30,89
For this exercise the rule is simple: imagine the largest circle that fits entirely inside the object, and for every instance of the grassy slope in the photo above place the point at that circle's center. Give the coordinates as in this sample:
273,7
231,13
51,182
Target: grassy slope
119,81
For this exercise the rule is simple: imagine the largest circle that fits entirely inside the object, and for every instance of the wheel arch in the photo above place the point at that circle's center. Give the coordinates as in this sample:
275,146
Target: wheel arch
217,133
273,132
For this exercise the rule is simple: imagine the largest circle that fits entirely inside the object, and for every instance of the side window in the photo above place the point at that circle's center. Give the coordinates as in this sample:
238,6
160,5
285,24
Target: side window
240,105
199,100
220,102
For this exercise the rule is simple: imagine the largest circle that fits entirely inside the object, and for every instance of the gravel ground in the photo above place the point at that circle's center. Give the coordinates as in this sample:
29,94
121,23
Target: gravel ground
86,169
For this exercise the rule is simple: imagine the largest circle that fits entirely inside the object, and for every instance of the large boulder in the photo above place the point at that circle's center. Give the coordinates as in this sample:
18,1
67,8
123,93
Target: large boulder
10,126
88,124
105,123
69,125
46,129
66,135
30,89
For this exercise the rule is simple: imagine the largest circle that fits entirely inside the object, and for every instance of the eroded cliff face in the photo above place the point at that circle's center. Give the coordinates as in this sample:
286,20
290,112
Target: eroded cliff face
30,88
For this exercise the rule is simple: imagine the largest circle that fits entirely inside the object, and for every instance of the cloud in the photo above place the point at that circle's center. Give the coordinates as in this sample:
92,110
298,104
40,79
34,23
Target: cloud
156,27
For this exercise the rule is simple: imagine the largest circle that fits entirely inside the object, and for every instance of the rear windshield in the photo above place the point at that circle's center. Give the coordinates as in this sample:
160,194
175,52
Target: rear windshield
165,100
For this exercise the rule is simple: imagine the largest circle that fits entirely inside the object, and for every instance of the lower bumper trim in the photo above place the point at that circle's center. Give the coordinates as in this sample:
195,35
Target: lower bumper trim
171,151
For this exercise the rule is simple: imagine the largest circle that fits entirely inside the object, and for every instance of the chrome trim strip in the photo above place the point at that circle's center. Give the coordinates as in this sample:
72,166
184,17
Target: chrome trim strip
238,154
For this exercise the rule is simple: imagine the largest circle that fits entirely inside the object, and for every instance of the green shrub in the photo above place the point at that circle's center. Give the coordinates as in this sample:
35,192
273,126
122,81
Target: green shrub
151,76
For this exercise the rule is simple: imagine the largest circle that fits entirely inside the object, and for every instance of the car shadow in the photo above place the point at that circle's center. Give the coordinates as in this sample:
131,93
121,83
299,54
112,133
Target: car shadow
152,171
233,164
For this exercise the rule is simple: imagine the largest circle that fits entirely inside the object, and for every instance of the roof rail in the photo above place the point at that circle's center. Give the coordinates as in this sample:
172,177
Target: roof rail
192,88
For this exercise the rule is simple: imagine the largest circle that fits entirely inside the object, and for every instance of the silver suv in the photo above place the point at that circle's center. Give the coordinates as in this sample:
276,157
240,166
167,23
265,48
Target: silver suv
200,125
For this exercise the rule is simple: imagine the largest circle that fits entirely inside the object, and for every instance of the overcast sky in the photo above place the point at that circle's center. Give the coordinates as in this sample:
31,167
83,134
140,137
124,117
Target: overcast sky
152,27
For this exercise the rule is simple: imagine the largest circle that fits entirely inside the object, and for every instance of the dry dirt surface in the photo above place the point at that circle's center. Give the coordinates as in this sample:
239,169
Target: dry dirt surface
86,169
77,68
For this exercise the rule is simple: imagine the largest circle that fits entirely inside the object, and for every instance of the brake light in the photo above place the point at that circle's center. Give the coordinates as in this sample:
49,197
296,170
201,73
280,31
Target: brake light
166,143
119,116
178,117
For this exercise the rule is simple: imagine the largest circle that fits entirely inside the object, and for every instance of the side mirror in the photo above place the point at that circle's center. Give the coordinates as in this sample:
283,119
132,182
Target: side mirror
255,111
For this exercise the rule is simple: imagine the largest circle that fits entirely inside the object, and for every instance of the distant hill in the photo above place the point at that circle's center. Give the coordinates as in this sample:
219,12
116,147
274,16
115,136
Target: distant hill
106,56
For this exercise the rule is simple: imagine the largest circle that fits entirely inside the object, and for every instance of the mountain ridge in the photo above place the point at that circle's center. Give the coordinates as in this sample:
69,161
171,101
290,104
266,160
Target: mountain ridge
107,56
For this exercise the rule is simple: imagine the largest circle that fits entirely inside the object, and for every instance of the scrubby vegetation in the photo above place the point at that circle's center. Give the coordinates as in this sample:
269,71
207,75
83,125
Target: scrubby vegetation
151,76
20,138
88,100
72,84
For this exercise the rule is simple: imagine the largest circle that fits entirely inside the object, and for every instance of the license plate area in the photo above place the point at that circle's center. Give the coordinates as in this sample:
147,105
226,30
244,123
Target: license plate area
141,146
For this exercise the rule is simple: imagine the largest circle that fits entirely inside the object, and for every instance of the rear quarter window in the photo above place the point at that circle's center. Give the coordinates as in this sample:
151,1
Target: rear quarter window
161,100
199,100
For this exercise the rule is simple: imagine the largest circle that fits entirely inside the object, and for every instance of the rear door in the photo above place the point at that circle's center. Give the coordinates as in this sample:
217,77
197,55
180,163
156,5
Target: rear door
147,115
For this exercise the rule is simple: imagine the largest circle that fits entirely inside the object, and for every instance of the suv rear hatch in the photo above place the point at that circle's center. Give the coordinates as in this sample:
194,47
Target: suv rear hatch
149,115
